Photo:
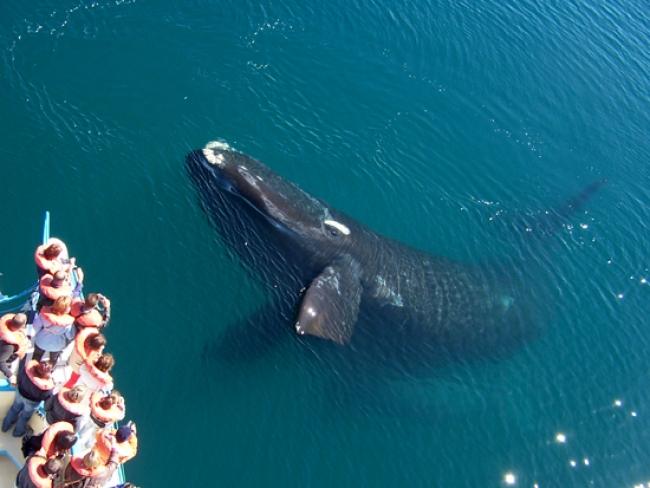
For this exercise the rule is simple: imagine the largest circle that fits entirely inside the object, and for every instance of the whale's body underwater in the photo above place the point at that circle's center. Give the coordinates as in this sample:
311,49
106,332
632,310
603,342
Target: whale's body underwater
336,279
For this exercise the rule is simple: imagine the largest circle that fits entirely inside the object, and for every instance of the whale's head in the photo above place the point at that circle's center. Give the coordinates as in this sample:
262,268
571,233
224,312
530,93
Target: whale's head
232,184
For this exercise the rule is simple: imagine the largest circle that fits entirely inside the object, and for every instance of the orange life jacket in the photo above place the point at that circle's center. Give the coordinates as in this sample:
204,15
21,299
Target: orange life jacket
48,446
125,450
77,409
44,384
88,355
56,321
113,414
51,292
102,377
91,318
77,463
18,338
49,265
36,472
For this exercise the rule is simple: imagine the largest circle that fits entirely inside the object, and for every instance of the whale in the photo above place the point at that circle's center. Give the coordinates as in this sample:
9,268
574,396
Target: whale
332,280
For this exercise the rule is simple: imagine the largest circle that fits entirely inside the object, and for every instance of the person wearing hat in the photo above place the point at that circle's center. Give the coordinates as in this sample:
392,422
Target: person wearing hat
34,386
38,472
126,442
13,343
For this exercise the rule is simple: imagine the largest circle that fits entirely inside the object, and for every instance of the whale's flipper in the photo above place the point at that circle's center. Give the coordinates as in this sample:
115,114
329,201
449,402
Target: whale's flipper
330,306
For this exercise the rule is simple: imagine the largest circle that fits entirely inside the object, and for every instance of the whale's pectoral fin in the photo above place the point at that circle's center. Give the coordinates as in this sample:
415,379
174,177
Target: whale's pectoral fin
330,305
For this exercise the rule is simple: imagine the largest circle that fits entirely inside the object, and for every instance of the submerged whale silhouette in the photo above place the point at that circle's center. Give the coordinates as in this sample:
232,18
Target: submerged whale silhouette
334,278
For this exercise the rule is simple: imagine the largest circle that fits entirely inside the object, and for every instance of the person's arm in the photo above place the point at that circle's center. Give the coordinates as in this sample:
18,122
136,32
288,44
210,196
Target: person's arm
7,357
106,316
111,465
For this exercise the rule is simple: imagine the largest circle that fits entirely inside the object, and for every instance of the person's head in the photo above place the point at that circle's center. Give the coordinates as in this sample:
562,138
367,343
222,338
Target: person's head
123,434
18,321
92,460
44,369
107,402
61,305
77,393
52,251
91,301
105,362
65,440
58,279
95,341
52,467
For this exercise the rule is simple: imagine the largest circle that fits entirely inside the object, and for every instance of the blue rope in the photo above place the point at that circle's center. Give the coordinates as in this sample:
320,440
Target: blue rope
21,294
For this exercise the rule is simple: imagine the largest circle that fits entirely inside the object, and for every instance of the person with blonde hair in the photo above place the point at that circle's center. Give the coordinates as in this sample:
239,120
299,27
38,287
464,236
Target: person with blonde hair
68,405
53,329
89,470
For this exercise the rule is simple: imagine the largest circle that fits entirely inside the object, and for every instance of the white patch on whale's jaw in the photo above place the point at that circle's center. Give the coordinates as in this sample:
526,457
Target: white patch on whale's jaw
343,229
212,158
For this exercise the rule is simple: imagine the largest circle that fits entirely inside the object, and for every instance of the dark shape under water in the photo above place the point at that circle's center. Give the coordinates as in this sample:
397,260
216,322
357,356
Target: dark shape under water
334,278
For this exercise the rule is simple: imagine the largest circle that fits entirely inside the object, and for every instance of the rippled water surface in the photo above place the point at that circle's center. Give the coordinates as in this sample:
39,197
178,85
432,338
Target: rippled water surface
445,125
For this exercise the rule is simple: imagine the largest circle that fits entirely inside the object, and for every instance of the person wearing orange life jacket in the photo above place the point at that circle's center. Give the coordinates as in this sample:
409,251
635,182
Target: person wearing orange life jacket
51,287
48,260
86,314
53,329
34,386
89,470
126,445
96,375
38,472
56,441
106,409
88,346
69,405
13,343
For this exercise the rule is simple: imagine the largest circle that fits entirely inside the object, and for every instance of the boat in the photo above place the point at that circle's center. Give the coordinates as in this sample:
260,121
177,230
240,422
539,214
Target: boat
11,457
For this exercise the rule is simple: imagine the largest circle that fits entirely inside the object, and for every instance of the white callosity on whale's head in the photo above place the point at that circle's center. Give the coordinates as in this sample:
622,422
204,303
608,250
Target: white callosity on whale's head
212,158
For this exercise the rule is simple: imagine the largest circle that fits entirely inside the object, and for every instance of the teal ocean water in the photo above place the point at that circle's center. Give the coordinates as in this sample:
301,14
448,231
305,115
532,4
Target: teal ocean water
440,124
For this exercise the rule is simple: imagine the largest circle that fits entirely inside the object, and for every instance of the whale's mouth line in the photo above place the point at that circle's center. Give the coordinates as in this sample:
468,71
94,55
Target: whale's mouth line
223,183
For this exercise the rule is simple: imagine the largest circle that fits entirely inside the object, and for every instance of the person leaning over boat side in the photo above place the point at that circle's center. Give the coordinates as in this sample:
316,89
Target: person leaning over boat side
56,441
38,472
89,470
86,314
88,346
96,375
53,329
13,343
126,445
68,405
51,287
34,386
106,409
48,259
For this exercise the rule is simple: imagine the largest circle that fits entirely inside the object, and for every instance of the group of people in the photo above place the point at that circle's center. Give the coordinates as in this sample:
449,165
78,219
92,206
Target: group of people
81,407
